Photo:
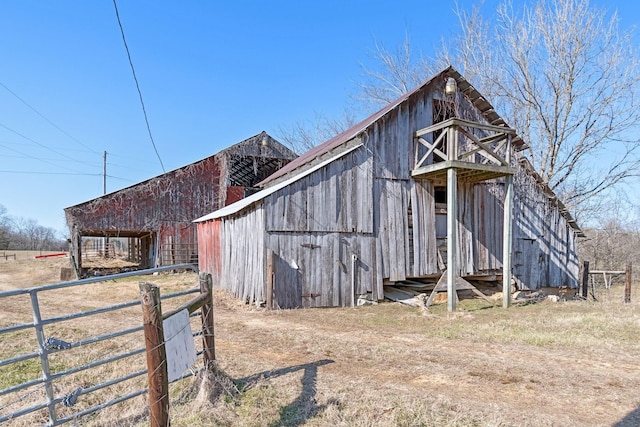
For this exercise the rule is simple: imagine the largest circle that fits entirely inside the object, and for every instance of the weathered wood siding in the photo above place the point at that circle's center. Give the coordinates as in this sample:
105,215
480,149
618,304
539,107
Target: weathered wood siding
335,198
391,142
242,255
544,246
480,227
209,249
166,205
342,231
315,226
422,233
318,269
178,196
406,243
404,208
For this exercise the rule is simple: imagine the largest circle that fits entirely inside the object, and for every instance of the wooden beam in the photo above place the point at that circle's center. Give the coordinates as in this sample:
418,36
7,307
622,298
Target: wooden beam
627,285
466,123
507,241
434,127
156,355
484,147
585,279
432,149
493,139
459,164
452,239
206,316
270,276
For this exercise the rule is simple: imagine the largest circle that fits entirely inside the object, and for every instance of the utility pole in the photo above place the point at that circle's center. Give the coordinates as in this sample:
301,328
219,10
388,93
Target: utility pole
104,173
104,191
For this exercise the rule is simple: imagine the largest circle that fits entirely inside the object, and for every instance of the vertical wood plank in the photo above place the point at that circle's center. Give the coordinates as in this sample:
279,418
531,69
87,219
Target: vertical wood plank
585,279
507,242
452,226
270,274
156,355
208,334
627,286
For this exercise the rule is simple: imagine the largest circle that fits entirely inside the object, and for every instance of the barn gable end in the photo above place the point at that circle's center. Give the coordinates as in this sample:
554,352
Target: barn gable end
153,219
366,209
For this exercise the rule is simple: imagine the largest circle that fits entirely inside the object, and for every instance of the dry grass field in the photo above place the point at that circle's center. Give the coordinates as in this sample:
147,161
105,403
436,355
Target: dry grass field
573,363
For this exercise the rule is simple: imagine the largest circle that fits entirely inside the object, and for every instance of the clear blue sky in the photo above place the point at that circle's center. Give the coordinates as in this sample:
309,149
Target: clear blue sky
212,73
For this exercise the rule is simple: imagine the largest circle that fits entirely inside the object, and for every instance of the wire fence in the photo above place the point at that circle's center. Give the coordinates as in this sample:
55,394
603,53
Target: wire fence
58,382
601,281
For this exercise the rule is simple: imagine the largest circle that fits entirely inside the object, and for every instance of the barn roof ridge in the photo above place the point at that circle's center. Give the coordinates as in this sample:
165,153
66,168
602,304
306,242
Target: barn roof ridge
465,86
259,136
479,101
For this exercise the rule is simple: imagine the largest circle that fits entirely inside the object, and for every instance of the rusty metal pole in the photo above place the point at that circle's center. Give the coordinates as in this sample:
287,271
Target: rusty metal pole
208,334
627,285
156,355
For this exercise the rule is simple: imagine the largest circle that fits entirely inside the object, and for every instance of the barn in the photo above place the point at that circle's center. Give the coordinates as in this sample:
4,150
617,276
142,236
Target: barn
434,179
154,217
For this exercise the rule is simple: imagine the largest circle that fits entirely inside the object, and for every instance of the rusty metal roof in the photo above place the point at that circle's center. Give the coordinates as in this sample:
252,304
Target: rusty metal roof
308,159
464,86
248,161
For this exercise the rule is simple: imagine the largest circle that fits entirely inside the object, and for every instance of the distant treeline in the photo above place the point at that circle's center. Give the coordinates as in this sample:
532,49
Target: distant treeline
27,234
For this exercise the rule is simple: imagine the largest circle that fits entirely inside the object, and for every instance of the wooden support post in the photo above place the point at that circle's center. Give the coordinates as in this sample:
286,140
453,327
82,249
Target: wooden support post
208,335
627,284
452,237
270,277
507,235
156,355
354,263
585,279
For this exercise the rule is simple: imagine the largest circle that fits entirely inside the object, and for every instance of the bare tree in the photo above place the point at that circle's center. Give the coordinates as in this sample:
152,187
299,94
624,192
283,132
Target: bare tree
304,135
27,234
613,238
394,73
5,228
560,71
568,80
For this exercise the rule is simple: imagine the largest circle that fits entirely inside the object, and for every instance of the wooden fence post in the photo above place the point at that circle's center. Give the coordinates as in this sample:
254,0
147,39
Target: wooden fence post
156,355
208,334
585,279
269,279
627,285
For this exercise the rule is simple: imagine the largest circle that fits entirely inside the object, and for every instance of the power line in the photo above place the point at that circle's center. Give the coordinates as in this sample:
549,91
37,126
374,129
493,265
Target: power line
121,179
45,118
51,173
39,159
27,156
37,143
135,78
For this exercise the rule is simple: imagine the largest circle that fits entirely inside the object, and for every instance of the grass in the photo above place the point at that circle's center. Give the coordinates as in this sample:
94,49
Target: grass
570,363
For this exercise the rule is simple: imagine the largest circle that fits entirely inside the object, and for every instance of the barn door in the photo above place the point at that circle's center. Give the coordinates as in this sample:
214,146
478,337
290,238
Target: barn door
527,263
287,286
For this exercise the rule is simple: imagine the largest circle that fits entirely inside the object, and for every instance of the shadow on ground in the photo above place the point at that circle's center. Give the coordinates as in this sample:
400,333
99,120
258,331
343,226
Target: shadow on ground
302,407
632,419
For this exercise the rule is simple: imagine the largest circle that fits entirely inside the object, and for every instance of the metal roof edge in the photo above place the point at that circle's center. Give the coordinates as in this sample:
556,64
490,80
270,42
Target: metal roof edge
256,197
174,171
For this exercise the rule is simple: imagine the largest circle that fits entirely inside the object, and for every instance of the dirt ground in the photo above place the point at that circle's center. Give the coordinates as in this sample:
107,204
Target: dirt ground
572,363
390,353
